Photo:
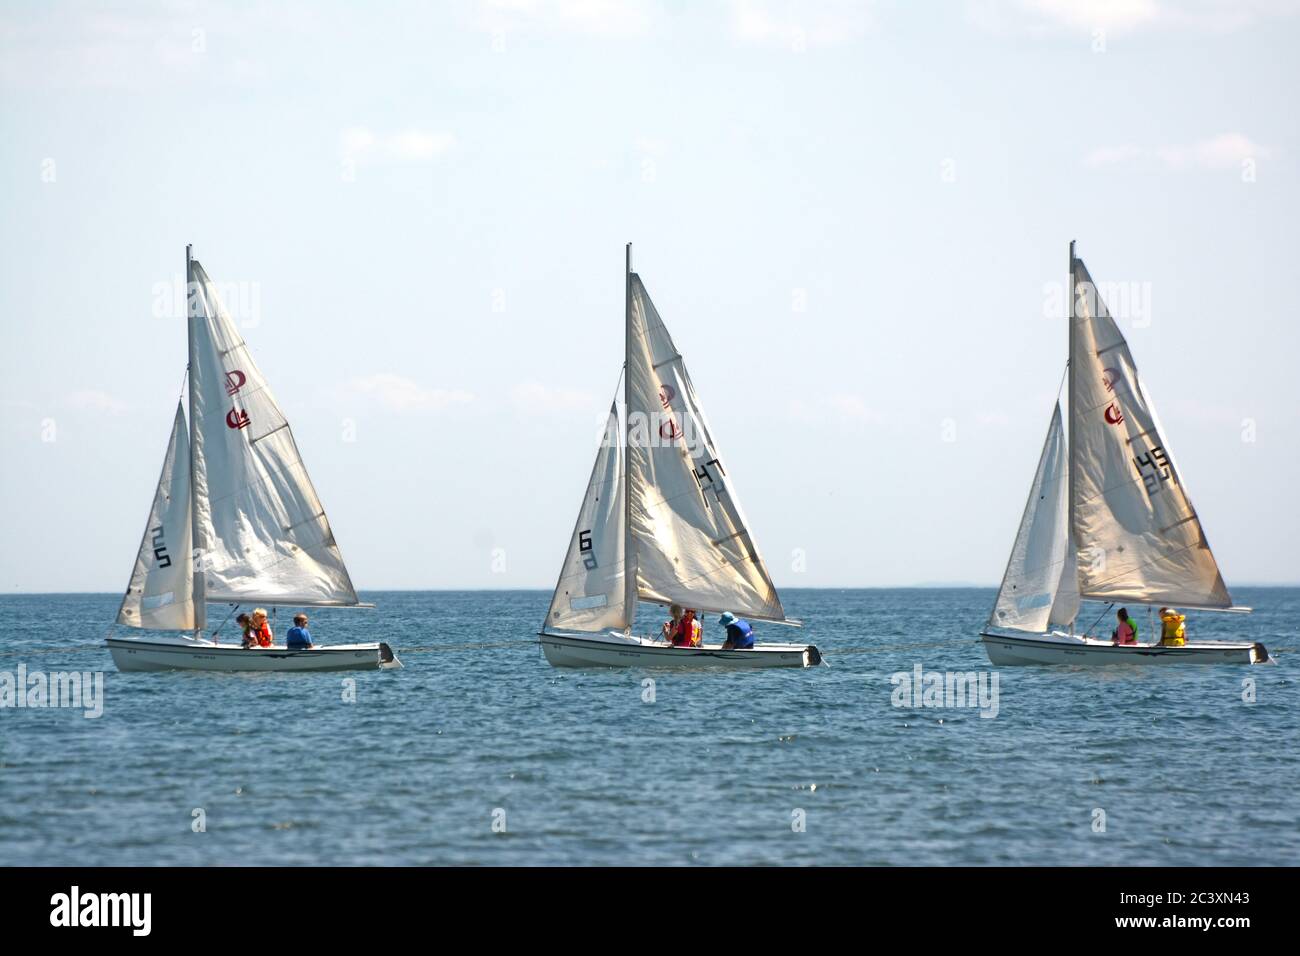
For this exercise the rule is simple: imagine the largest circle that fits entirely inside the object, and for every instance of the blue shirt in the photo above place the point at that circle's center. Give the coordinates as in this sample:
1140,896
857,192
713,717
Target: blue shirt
740,634
298,637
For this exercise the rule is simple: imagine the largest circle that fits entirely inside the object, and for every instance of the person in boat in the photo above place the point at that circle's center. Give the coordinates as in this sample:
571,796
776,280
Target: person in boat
1127,632
246,631
692,631
298,638
683,630
673,625
1172,631
740,636
259,631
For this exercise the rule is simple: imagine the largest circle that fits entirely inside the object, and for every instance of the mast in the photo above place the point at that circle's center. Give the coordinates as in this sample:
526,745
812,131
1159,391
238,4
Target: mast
197,544
1069,447
629,555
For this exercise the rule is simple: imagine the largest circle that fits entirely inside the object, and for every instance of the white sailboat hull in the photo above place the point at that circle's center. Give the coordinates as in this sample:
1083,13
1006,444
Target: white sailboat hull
1006,650
618,650
160,655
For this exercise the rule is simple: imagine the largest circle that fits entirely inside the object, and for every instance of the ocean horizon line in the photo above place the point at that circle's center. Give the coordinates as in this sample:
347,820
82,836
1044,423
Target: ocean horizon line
926,586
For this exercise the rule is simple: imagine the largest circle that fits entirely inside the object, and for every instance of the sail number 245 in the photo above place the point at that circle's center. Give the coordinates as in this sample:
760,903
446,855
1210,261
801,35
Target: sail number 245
1153,468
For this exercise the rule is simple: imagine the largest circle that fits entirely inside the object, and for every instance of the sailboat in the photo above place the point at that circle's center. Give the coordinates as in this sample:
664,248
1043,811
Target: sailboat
234,520
1108,519
660,523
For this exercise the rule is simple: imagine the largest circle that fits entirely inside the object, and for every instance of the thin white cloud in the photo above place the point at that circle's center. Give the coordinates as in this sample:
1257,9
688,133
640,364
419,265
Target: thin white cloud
361,144
403,395
1220,152
1226,151
1089,15
93,400
534,397
138,48
799,25
608,18
1123,16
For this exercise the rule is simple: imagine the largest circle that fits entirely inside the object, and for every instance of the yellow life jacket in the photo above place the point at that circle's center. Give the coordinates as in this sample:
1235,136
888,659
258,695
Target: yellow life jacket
1172,632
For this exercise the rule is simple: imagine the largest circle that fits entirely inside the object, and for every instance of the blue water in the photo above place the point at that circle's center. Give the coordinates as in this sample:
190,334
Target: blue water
711,772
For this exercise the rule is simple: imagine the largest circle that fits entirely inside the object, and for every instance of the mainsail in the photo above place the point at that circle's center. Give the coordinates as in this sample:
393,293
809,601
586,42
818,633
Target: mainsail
692,545
1036,569
262,532
1139,537
160,595
590,594
660,511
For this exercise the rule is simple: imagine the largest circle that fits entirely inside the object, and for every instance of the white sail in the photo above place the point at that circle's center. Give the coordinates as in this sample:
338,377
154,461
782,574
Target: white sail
160,595
1033,576
1066,606
1139,537
590,595
263,533
690,540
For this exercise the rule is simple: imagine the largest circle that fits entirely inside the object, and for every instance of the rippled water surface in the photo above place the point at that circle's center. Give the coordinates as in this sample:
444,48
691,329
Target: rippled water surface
581,769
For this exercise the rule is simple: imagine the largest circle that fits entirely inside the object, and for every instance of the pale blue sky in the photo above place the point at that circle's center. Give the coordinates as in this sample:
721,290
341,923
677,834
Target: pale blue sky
846,213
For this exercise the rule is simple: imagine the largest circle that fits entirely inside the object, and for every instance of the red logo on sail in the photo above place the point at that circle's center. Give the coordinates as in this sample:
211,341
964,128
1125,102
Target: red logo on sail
669,430
1113,415
235,380
1109,376
236,418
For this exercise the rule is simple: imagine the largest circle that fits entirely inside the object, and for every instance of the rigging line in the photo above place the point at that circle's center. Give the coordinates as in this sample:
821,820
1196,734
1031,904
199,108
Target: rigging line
621,369
1133,481
267,474
185,376
1099,617
686,582
308,550
1119,575
691,493
278,428
1049,565
233,609
1064,372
